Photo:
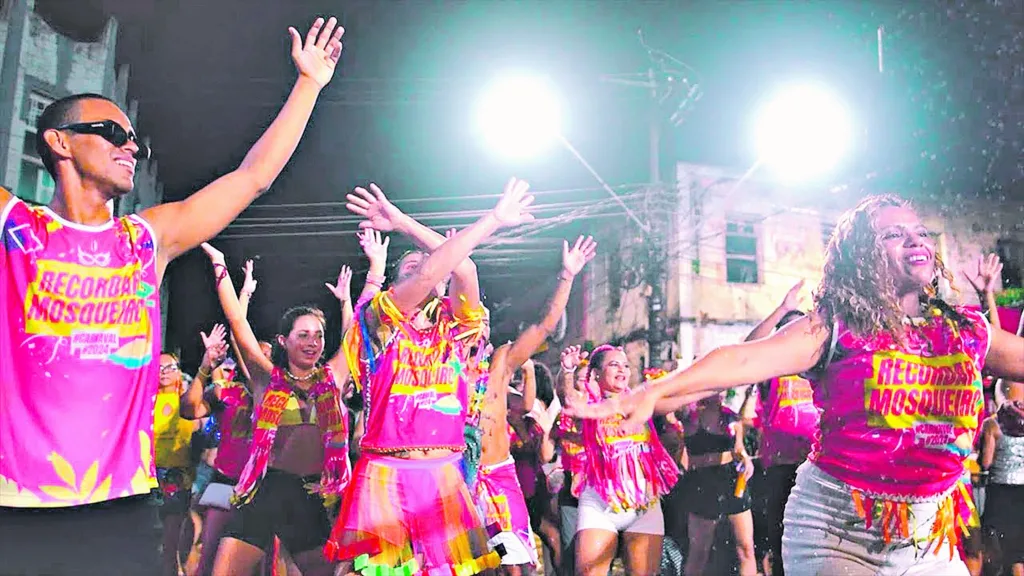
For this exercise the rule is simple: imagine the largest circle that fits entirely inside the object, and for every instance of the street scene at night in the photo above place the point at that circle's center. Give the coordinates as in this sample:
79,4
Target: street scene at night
575,287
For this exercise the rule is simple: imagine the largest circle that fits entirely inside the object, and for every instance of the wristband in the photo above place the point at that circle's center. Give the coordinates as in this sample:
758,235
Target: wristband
200,373
375,279
221,272
563,275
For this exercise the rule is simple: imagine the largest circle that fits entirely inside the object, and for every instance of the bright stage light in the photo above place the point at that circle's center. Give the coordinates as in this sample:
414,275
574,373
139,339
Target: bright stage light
519,115
803,133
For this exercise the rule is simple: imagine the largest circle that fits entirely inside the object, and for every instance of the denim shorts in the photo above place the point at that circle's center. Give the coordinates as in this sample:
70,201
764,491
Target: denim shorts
824,536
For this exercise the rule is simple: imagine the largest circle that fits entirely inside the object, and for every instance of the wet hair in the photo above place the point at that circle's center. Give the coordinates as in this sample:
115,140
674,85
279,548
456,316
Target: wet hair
278,355
58,113
856,286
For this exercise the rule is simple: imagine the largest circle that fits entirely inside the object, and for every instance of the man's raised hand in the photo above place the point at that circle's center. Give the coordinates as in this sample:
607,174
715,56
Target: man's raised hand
317,57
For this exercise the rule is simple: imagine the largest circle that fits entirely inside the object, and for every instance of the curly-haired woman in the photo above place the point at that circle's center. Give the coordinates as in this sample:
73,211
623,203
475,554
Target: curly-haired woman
896,372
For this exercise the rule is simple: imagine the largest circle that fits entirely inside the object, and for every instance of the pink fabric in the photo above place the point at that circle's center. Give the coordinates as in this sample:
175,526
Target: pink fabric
417,393
629,472
235,423
500,499
789,421
79,350
893,413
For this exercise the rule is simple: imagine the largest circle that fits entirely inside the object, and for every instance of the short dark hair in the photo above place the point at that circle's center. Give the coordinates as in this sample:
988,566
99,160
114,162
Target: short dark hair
58,113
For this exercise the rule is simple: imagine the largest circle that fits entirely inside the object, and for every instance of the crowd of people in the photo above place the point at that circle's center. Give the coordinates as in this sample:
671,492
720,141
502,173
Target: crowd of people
863,443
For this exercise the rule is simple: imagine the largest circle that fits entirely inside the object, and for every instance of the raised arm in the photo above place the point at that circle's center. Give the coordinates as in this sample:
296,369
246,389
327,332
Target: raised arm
789,304
193,403
793,350
259,365
511,210
984,283
381,214
529,385
376,250
343,292
181,226
244,298
573,261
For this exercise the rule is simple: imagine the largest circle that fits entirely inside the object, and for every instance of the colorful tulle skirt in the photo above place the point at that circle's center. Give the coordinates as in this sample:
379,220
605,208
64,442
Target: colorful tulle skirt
410,516
499,497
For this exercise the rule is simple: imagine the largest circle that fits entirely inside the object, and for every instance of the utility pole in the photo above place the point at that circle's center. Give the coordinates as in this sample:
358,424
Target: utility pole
669,85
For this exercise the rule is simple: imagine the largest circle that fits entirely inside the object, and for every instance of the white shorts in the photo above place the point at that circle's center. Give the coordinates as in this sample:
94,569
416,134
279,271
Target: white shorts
516,553
594,513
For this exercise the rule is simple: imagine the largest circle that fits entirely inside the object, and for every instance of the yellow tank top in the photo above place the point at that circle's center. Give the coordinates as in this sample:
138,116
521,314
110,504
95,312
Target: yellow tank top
173,434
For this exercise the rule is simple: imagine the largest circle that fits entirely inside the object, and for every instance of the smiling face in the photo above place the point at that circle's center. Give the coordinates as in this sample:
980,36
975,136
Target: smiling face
304,344
111,168
614,372
909,248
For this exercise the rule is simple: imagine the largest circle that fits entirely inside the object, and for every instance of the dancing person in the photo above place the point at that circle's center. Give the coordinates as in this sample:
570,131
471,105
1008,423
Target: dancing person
499,491
789,421
230,403
81,320
172,441
1002,461
408,504
713,487
622,482
896,375
298,459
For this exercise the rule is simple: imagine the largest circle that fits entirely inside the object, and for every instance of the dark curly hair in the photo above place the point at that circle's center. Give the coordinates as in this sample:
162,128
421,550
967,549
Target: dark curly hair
856,286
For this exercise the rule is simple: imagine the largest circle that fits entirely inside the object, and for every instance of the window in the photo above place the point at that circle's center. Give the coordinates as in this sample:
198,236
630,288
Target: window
35,183
741,261
36,104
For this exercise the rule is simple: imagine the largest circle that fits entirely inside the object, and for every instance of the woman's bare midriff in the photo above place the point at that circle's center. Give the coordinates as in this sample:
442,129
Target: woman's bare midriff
713,459
416,454
298,450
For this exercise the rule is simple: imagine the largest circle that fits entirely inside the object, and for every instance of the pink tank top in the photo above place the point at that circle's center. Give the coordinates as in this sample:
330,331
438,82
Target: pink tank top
80,348
789,420
235,423
414,383
898,420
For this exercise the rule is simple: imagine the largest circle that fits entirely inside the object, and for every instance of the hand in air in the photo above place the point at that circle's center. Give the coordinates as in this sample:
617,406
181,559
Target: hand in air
572,357
792,299
249,285
574,259
375,248
317,57
216,256
216,346
342,290
373,205
514,207
989,268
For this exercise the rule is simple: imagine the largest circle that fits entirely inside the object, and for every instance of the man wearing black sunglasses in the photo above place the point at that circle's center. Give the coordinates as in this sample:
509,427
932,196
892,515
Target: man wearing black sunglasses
80,326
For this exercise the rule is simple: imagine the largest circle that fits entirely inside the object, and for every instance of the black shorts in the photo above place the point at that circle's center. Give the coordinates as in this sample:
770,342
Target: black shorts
709,492
283,507
771,487
1003,522
115,537
175,492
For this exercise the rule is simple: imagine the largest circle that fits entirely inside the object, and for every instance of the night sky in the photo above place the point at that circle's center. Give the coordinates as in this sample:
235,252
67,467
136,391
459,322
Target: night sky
944,118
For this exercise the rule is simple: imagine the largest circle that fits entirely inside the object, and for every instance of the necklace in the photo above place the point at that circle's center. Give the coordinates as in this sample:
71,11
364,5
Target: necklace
302,379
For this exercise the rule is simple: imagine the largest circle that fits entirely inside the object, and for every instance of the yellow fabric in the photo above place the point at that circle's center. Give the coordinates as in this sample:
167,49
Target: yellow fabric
173,433
292,416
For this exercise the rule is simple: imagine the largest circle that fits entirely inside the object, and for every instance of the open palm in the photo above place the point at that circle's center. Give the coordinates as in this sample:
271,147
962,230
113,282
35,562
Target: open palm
379,213
574,259
317,57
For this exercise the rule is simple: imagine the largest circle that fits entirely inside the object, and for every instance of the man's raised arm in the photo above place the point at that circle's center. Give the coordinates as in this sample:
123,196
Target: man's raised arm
181,226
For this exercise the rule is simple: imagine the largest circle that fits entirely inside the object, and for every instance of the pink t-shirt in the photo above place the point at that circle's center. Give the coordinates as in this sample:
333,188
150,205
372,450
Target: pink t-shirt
235,423
789,420
898,420
415,384
79,358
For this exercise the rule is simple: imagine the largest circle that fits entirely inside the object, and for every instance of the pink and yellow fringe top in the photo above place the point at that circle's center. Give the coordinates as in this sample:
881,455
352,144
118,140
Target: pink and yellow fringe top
235,424
898,419
415,384
628,471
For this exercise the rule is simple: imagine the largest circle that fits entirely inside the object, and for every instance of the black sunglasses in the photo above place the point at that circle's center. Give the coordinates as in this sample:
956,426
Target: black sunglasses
111,132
